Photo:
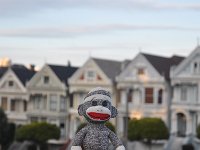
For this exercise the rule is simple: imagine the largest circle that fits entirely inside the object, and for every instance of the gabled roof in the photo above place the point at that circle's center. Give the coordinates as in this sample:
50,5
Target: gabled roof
2,71
110,67
163,64
63,72
24,74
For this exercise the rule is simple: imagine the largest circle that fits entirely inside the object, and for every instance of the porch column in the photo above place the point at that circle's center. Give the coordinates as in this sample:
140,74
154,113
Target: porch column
173,123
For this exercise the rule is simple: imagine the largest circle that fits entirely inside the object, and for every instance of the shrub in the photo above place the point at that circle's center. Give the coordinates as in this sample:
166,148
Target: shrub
147,129
134,130
38,132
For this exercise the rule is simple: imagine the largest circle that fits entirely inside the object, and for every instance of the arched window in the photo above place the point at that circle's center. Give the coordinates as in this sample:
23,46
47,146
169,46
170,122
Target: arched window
160,96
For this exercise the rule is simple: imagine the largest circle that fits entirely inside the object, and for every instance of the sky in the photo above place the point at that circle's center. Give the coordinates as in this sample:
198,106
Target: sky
49,31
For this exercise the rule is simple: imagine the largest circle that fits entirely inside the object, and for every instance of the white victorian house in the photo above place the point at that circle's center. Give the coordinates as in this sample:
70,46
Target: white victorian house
48,92
94,73
185,107
13,93
145,89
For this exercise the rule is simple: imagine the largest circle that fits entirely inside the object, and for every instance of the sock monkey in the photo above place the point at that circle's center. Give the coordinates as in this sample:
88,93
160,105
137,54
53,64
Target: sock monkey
97,109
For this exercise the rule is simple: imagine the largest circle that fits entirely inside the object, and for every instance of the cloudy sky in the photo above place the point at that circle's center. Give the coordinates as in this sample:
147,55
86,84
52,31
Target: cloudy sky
56,31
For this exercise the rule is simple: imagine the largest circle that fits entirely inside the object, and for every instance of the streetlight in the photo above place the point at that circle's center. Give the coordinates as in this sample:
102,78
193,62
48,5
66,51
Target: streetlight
128,98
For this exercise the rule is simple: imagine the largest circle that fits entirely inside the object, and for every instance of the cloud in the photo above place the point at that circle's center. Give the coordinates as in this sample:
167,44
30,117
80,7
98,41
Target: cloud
23,7
86,30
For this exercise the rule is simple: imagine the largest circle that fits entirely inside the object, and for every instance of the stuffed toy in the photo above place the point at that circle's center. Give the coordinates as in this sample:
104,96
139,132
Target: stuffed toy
97,109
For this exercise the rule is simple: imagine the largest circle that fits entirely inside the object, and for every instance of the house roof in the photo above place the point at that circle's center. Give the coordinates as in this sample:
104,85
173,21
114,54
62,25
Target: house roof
24,74
110,67
163,64
63,72
2,71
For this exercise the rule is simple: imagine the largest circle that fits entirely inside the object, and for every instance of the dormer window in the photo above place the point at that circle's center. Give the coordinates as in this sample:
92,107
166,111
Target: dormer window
90,75
46,79
10,83
140,71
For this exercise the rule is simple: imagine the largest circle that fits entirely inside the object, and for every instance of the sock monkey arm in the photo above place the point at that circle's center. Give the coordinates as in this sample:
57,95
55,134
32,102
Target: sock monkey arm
116,141
78,139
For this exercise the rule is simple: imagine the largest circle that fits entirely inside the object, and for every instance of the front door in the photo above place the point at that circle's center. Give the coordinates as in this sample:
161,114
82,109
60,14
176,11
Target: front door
181,125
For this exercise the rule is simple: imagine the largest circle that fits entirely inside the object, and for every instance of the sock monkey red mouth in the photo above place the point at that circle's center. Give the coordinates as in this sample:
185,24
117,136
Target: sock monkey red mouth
98,116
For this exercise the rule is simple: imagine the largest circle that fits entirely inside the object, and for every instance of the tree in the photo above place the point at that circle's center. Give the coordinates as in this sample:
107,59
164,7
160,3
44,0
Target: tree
147,130
38,133
7,131
198,131
109,125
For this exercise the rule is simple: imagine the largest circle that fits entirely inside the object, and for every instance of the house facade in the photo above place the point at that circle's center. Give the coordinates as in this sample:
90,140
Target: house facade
13,93
95,72
48,92
185,80
145,89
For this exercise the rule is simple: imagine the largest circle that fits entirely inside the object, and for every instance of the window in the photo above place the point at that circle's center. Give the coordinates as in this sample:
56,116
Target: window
149,95
62,103
13,105
183,93
10,83
25,105
195,67
37,101
46,79
160,96
140,71
4,103
130,95
43,119
53,103
90,75
34,119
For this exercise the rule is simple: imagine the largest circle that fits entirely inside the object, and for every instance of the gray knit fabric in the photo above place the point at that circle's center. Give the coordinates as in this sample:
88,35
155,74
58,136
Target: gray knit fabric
96,137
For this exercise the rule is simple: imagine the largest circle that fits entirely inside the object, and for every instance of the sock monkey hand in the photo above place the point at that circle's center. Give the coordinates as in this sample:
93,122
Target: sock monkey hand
120,147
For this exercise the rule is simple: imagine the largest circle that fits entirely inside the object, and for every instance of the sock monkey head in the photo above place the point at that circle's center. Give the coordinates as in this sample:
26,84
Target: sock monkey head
97,107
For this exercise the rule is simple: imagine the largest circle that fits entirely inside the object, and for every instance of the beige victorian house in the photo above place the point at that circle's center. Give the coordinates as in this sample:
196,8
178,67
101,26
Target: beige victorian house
13,93
144,88
48,92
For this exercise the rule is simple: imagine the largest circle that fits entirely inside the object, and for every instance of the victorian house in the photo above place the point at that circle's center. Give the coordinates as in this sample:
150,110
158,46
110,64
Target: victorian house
185,107
13,93
95,72
48,92
144,87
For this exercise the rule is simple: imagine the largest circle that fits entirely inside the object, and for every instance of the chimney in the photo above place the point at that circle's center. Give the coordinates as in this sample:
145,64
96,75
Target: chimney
68,63
32,67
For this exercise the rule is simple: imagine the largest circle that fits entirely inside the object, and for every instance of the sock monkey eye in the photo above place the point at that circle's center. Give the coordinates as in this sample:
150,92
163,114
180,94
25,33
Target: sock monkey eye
104,103
94,103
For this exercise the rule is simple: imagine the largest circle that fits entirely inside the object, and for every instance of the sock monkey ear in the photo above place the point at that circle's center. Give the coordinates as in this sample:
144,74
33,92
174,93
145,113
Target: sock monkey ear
80,110
113,112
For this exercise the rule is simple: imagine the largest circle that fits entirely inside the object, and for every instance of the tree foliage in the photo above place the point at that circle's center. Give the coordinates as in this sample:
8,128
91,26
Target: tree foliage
38,132
7,130
147,129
